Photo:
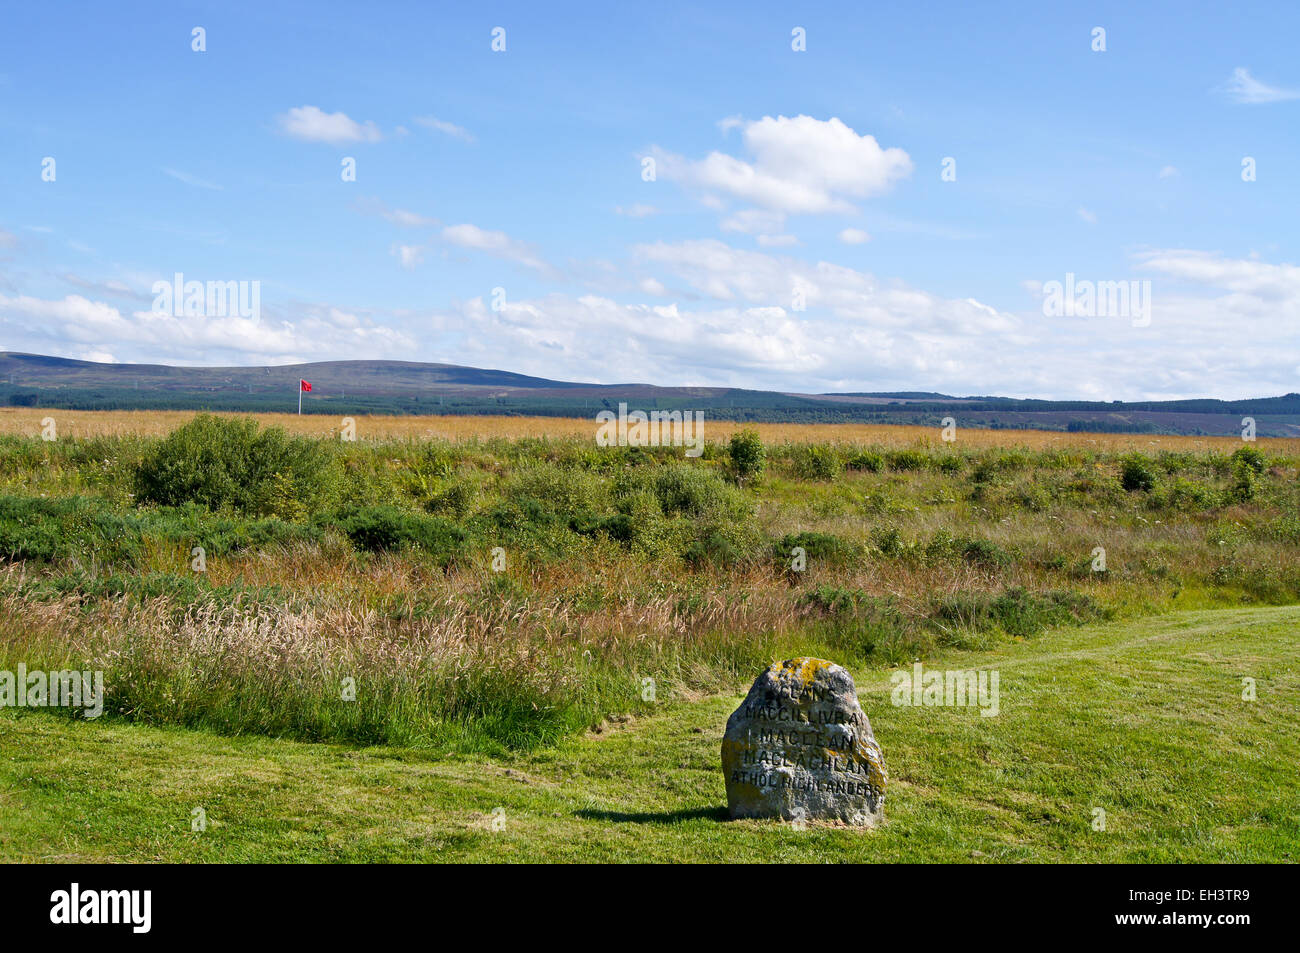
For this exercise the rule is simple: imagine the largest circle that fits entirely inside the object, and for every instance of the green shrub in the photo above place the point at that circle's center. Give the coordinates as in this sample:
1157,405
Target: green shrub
816,462
378,528
826,546
982,552
686,490
456,500
564,493
641,523
905,460
79,527
228,463
888,540
867,460
748,455
1018,612
1033,495
93,530
1243,479
993,462
1189,495
713,549
835,600
1136,473
982,477
1251,458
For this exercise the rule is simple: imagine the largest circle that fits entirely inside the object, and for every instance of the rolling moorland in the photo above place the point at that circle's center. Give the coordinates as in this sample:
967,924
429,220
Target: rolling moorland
1124,584
397,387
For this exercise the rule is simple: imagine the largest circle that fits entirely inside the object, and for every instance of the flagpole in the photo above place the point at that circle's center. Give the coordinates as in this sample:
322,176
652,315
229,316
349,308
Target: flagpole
300,398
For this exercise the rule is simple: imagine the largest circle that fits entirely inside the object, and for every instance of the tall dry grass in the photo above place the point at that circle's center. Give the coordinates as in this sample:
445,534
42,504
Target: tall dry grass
26,421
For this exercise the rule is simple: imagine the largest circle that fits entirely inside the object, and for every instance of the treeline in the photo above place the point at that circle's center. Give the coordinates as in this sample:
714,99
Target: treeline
1210,417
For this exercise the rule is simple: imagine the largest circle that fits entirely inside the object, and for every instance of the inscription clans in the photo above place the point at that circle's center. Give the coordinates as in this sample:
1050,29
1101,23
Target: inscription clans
800,748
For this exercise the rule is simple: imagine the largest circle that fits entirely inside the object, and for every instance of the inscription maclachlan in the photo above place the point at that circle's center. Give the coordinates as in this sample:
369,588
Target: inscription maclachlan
801,748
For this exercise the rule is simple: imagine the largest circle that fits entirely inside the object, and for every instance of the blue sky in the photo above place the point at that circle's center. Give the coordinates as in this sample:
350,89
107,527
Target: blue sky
797,234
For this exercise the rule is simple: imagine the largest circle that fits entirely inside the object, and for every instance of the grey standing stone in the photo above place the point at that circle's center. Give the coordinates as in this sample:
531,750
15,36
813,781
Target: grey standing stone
800,748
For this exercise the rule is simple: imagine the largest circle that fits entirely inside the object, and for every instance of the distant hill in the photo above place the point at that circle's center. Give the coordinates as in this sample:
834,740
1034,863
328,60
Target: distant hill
408,387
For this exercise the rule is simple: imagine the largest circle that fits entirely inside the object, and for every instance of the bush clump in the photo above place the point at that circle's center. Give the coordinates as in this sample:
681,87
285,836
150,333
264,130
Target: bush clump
228,463
816,462
1136,473
1243,480
748,455
821,546
1018,611
1251,458
866,460
904,460
80,527
378,528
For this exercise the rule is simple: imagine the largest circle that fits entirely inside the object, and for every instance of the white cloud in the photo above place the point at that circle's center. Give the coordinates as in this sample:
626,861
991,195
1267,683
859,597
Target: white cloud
8,239
111,288
859,333
754,221
497,244
636,211
854,236
408,256
1244,88
800,165
193,180
83,326
854,333
447,128
776,241
311,124
397,216
408,219
1087,216
1248,277
1168,172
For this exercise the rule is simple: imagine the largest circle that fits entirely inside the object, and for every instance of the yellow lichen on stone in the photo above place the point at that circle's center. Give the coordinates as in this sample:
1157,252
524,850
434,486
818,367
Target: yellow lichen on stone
804,669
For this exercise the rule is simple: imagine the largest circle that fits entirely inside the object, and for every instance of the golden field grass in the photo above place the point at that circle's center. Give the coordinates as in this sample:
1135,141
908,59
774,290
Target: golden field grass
27,421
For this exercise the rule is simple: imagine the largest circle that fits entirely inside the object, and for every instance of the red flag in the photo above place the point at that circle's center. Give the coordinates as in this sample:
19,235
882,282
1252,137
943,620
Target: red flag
303,386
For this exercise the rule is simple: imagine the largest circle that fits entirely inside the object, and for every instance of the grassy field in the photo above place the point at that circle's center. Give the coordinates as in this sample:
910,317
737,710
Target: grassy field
1145,721
284,617
27,422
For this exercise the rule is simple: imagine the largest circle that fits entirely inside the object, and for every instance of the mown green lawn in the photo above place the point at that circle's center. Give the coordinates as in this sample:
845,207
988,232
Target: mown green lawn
1144,720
